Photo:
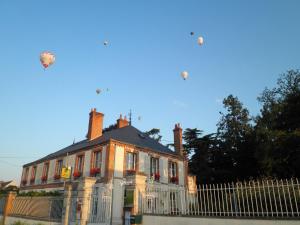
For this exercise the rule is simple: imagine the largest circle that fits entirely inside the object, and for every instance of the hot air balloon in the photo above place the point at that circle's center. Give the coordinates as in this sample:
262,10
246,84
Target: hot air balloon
200,40
98,91
184,75
47,59
105,43
192,33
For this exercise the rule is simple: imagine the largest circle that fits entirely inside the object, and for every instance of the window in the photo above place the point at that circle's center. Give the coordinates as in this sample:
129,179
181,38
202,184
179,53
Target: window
96,163
154,168
79,166
25,176
58,168
45,172
173,177
32,176
130,162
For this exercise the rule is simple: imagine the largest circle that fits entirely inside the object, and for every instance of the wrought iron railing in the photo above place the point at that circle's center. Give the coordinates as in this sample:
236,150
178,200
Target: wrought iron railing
261,198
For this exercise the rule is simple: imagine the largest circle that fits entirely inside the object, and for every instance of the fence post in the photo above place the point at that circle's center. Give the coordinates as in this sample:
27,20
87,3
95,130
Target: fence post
8,204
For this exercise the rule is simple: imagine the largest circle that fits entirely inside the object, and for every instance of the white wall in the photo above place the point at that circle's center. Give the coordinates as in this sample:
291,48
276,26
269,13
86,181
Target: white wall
177,220
180,173
87,163
119,161
163,169
103,161
142,161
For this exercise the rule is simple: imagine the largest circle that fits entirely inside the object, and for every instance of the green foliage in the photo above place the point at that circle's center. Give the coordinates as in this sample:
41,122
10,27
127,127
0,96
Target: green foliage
19,223
154,133
40,194
244,148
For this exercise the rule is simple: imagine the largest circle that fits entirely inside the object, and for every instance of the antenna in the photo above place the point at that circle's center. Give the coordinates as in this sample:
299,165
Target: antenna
73,141
130,117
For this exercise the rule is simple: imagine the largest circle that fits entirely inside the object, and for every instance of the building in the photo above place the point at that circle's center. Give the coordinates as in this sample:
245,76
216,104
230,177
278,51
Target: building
120,154
8,185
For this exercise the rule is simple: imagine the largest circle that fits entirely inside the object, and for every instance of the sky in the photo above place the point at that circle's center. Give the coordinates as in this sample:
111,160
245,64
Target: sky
247,45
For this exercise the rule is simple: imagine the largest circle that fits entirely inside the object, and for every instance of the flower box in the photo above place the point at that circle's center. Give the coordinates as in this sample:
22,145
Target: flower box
44,178
76,174
94,171
56,177
174,180
24,182
156,176
130,172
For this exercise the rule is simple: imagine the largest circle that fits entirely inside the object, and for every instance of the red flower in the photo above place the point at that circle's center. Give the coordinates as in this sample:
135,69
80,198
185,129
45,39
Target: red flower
156,176
76,174
56,177
94,171
44,178
174,180
32,180
24,182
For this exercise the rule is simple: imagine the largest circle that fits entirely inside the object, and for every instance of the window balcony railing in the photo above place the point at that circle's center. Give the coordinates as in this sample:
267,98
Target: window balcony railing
77,174
174,180
32,180
44,179
94,172
156,176
130,172
56,177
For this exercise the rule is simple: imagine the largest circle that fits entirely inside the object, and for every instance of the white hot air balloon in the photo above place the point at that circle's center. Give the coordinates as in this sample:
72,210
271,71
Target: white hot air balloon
105,43
98,91
184,75
47,59
200,40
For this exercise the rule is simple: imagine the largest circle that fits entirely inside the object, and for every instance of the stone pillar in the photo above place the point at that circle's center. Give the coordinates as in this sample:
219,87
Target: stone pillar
8,204
67,203
140,185
85,189
117,201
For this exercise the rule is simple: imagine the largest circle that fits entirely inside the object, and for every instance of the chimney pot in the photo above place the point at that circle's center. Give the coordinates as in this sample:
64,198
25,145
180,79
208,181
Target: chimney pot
122,122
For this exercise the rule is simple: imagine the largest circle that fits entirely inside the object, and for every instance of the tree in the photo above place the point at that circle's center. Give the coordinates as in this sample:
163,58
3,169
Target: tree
154,133
278,127
235,156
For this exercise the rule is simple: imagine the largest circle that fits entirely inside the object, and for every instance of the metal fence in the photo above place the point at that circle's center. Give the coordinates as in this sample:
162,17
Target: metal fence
261,198
43,208
100,205
2,204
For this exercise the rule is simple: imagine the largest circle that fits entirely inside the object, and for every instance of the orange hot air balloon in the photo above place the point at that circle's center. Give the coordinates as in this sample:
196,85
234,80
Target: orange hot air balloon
47,59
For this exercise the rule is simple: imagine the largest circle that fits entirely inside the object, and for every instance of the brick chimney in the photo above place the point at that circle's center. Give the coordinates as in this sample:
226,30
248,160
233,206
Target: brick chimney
178,139
122,122
95,124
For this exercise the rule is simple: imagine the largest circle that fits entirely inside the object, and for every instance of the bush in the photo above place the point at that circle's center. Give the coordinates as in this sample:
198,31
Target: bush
40,194
19,223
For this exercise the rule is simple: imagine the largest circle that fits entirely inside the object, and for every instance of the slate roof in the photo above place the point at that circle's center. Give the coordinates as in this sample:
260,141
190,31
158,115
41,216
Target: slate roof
128,134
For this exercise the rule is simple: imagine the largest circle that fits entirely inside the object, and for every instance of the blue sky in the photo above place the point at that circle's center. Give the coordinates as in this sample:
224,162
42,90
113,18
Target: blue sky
247,44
